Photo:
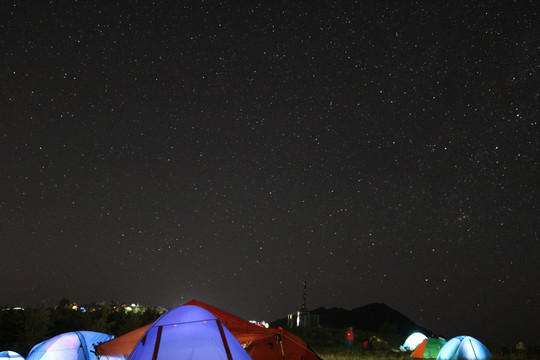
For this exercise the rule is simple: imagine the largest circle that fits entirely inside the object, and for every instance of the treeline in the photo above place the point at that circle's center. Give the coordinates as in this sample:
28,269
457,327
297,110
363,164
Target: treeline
21,329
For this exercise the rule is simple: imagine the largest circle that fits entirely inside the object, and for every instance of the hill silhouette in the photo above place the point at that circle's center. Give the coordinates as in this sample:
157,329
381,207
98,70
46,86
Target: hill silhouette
374,317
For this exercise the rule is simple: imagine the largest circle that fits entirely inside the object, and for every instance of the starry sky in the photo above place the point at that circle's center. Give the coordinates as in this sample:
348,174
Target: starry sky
385,151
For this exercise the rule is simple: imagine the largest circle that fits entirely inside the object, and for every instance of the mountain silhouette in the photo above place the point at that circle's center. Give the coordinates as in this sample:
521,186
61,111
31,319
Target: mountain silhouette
374,317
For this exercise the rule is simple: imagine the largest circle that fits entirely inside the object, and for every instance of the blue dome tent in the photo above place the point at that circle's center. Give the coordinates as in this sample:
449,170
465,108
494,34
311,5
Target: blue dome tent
10,355
464,348
188,332
76,345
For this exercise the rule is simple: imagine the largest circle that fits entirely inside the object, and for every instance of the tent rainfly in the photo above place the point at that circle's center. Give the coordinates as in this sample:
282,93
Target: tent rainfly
10,355
188,332
76,345
464,348
260,343
413,341
428,348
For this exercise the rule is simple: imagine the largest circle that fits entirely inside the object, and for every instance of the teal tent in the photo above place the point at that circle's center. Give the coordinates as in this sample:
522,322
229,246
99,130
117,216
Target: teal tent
464,348
76,345
10,355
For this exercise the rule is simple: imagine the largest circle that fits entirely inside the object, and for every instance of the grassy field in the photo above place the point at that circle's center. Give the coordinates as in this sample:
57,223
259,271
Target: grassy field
329,344
343,354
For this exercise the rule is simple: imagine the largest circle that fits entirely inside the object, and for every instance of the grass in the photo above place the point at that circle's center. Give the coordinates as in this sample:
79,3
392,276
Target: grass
329,344
344,354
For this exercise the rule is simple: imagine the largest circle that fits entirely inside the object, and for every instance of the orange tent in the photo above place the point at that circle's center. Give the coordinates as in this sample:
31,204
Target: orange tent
122,345
261,343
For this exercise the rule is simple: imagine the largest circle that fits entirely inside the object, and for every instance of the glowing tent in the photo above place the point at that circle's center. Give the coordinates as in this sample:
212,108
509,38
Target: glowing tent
77,345
188,332
428,348
464,348
260,343
413,341
10,355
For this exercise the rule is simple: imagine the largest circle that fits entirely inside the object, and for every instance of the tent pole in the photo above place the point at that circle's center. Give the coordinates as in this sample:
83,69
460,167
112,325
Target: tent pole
158,340
278,338
224,339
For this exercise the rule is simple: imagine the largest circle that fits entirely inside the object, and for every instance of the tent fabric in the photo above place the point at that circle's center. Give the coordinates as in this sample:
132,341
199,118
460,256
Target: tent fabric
121,346
188,332
10,355
76,345
261,343
428,348
464,348
413,341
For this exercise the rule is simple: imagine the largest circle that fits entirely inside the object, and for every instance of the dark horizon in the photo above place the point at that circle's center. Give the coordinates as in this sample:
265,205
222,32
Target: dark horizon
507,341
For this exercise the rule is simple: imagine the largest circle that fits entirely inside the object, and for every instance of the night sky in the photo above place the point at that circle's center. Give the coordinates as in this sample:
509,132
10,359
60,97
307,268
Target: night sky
156,152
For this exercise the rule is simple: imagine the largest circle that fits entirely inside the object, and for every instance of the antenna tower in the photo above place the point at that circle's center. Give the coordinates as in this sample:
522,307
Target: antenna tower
304,307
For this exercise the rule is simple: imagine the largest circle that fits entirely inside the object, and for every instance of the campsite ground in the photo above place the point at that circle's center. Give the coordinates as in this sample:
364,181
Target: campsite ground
343,354
329,344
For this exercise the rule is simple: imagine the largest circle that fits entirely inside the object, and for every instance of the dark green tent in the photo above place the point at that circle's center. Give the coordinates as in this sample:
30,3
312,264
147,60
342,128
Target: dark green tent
376,343
429,348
